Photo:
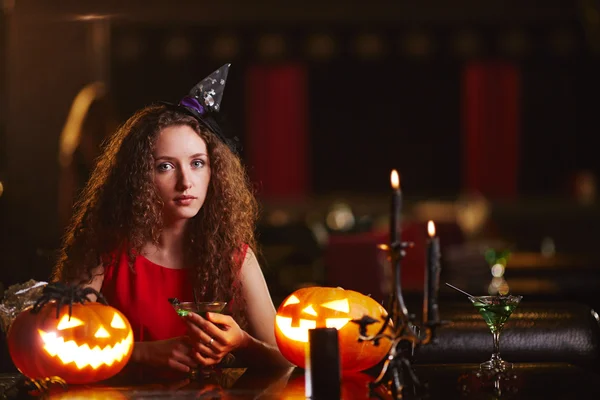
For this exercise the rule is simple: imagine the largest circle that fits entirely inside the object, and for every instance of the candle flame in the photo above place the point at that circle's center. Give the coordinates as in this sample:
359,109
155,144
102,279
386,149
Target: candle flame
431,228
383,246
395,179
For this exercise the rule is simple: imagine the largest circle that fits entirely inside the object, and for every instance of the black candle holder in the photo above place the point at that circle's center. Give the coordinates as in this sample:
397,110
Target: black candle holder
399,327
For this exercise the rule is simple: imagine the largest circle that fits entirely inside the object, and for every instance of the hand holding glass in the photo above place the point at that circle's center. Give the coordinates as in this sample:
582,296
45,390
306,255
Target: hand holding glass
200,308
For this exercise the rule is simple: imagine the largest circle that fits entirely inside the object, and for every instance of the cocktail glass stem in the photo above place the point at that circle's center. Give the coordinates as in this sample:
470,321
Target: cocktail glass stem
496,362
496,353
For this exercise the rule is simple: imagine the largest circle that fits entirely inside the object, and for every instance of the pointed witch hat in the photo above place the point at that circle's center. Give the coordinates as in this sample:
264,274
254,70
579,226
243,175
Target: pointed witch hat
204,101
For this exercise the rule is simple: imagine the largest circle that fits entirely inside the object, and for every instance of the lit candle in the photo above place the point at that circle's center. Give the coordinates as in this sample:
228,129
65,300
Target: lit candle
432,277
396,207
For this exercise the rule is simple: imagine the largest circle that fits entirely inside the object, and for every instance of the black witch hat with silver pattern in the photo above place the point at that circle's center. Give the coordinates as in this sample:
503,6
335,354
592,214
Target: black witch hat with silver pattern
204,101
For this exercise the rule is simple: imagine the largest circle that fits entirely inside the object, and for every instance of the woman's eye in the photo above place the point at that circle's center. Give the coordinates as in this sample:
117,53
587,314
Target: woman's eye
198,163
164,167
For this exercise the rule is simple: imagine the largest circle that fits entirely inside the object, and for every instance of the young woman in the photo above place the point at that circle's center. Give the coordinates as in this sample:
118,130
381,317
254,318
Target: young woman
168,213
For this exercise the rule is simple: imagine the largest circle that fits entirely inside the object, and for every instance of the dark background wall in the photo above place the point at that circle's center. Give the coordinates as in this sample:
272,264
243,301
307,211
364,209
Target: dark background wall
387,93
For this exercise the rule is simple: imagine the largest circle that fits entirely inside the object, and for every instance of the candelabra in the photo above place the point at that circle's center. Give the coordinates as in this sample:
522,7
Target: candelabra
398,325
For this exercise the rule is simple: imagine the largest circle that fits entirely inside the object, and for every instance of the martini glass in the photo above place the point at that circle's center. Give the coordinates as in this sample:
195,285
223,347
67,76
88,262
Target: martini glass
201,308
496,310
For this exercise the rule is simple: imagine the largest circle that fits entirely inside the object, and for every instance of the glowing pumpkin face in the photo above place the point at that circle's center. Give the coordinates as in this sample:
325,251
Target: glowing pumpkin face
319,307
93,344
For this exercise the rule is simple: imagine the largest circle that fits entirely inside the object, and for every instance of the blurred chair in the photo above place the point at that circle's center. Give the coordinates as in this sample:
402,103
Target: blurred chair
353,261
90,120
290,257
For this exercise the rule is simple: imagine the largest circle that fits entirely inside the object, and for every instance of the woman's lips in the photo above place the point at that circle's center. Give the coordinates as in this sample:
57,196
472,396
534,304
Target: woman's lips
184,200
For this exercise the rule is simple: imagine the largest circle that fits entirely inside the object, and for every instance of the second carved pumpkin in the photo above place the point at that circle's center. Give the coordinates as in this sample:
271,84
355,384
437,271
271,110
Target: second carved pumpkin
320,307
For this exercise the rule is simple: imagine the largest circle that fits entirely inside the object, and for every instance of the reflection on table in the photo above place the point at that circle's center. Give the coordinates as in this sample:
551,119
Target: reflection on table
449,381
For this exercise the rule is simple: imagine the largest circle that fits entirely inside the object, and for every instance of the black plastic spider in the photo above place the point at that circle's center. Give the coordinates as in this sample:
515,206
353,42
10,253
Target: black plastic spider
64,294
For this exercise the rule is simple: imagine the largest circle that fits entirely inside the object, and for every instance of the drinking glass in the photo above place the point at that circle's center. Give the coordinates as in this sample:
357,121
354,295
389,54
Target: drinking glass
496,310
200,308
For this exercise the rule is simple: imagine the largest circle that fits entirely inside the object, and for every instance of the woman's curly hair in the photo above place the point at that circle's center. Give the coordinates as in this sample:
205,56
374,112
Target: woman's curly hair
120,206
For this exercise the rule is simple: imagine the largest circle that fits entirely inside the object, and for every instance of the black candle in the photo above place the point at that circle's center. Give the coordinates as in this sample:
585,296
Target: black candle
396,207
323,371
432,277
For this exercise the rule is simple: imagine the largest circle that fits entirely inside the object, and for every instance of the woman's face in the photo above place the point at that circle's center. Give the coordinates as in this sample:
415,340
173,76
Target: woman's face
181,172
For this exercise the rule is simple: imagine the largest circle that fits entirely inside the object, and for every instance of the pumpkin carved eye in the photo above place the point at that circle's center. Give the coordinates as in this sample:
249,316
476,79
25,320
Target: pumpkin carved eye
291,300
338,305
117,322
68,323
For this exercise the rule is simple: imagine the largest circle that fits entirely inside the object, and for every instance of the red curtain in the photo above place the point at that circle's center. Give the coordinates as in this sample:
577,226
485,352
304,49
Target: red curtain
491,123
277,119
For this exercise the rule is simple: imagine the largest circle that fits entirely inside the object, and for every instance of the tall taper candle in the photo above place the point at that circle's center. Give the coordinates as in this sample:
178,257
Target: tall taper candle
396,207
432,277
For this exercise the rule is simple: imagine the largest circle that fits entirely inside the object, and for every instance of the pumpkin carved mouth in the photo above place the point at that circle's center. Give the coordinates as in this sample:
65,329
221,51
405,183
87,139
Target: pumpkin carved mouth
82,355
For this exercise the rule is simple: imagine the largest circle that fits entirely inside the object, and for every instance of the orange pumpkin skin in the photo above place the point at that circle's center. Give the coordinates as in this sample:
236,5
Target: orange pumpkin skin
312,308
95,343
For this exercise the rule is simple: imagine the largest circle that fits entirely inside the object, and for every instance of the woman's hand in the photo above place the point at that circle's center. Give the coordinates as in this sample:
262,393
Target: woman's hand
175,353
214,337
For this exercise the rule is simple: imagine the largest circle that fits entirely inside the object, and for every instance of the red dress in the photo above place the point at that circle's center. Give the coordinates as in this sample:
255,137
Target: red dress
142,295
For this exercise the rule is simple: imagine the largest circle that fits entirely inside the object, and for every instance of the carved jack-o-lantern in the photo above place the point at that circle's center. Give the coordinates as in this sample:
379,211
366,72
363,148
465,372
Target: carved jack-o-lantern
92,342
319,307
